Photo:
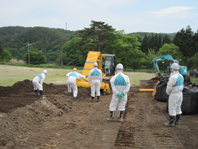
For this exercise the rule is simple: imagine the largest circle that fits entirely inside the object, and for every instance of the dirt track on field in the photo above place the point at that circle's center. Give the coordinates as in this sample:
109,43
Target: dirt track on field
58,121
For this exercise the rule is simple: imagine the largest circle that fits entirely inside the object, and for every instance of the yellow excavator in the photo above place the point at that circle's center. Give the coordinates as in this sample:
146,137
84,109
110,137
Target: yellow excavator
106,63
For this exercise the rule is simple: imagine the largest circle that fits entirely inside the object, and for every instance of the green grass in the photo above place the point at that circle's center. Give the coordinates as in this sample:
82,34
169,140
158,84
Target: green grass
194,81
12,74
135,77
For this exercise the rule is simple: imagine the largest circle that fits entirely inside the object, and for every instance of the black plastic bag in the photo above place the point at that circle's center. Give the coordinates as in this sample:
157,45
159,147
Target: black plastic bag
190,99
189,104
161,90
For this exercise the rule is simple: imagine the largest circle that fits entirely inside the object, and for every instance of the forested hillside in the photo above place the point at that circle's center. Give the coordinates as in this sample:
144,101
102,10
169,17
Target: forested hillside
48,40
135,50
142,34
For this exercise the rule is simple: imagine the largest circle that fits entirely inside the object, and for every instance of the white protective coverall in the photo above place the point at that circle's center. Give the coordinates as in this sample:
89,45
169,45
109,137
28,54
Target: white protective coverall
96,76
119,83
38,81
71,82
174,89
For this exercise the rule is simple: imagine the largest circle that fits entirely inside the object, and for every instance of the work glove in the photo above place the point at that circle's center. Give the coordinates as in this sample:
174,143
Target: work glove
121,95
118,94
86,76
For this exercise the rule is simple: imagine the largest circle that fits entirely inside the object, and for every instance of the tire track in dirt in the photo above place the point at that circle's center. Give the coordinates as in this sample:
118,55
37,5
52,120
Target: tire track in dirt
163,137
133,132
143,123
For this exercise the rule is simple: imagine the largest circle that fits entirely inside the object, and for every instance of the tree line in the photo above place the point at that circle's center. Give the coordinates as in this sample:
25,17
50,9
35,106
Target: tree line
130,49
134,50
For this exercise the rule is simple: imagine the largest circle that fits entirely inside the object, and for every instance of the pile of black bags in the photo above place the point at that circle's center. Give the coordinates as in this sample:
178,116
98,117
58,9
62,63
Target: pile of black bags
190,96
190,99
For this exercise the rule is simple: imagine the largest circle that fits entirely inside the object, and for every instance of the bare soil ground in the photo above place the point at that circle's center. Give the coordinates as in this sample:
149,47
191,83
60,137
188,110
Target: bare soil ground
58,121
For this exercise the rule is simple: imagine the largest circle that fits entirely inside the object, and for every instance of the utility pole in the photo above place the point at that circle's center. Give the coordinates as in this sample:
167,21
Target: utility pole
66,26
28,53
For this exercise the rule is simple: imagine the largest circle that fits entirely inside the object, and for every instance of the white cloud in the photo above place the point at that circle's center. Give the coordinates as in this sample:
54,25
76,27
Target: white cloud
130,15
181,12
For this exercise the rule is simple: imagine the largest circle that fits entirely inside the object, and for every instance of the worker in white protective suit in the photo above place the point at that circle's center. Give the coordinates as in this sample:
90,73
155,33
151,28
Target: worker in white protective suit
96,76
71,81
38,82
174,89
120,85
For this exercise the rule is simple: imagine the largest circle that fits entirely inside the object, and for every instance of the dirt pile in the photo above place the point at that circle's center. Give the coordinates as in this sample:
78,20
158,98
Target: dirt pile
57,120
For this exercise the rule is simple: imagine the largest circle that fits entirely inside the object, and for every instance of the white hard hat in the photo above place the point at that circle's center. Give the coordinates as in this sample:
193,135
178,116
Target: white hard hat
174,66
95,64
119,66
45,72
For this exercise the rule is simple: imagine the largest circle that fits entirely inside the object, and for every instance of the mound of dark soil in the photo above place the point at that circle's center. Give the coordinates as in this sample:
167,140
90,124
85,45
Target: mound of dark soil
58,120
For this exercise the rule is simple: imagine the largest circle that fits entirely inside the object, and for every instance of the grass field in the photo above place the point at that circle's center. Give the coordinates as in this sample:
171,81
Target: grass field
12,74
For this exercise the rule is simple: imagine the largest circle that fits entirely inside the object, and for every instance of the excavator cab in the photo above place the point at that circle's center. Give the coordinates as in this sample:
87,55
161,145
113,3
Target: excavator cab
108,64
168,60
167,65
182,69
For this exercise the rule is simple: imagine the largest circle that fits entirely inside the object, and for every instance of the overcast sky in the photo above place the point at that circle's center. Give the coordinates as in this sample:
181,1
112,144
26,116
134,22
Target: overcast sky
159,16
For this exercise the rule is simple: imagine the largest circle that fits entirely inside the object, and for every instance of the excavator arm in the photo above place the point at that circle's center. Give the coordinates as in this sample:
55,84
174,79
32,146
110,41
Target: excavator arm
160,58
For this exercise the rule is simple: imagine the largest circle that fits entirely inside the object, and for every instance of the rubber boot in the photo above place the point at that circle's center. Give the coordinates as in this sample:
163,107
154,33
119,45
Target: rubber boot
92,99
41,93
36,92
171,122
98,98
111,118
119,117
177,122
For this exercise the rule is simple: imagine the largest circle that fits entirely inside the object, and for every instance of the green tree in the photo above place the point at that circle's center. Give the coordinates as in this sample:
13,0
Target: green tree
149,58
152,42
159,42
166,39
36,57
1,49
95,37
72,54
184,40
5,55
144,45
193,61
170,49
126,49
195,42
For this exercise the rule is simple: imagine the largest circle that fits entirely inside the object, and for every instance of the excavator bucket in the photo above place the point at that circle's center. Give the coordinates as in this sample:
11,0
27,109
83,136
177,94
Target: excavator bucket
92,57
